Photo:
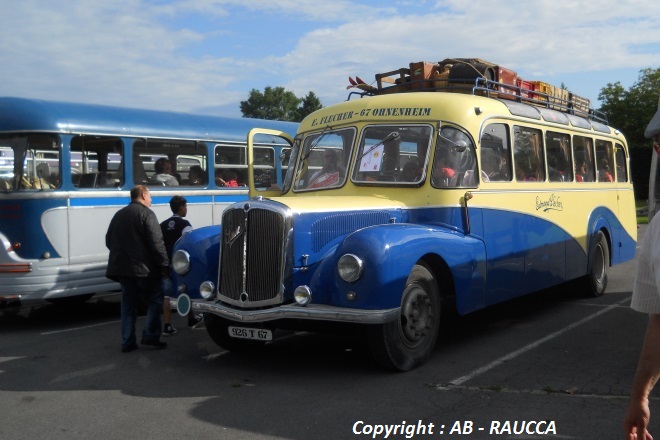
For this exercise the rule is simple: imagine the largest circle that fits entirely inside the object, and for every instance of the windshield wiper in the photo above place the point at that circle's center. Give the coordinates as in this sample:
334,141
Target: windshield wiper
316,142
390,137
459,146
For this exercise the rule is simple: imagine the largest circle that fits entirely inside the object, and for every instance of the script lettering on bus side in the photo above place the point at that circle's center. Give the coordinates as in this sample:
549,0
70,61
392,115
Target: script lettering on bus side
398,112
552,203
332,118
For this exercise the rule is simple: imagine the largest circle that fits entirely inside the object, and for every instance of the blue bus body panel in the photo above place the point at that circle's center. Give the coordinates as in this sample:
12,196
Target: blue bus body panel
17,114
203,245
506,255
20,222
390,251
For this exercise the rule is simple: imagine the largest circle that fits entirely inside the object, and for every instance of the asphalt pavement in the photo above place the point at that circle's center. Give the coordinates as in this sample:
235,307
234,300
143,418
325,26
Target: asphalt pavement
550,365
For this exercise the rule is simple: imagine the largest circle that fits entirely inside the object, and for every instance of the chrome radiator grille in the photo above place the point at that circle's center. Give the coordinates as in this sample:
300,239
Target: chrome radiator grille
252,256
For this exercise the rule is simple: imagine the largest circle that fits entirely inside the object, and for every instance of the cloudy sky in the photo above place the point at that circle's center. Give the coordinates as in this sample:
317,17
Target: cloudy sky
204,56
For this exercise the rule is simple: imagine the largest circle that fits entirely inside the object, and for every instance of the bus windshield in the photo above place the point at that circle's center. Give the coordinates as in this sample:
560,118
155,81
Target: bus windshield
324,160
392,153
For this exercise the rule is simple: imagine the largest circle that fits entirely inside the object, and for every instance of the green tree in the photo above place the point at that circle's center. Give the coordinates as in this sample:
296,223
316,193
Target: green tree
273,103
630,111
279,104
310,103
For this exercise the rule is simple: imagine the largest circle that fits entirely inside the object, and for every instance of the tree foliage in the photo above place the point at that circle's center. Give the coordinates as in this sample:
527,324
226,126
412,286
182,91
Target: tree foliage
310,103
279,104
630,111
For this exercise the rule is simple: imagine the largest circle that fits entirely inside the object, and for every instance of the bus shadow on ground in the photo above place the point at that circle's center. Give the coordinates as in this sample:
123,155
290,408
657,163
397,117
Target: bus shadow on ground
68,312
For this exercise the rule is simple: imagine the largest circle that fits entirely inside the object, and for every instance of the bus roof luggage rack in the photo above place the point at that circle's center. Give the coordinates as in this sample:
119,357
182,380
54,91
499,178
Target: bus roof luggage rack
478,77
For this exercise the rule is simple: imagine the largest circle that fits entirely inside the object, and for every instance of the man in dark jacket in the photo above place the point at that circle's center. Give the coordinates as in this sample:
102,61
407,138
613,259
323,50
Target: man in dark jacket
138,260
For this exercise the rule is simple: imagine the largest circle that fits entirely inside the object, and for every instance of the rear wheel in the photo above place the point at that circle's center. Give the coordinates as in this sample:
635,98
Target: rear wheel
218,330
595,282
408,342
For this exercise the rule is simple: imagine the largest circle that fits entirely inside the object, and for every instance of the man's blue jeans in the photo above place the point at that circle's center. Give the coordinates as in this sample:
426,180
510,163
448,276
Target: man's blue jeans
132,290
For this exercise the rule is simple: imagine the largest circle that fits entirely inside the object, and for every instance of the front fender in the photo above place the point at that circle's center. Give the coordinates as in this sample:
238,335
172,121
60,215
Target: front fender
389,252
203,246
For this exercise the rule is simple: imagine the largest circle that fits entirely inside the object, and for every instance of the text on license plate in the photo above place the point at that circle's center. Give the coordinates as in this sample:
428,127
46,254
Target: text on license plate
258,334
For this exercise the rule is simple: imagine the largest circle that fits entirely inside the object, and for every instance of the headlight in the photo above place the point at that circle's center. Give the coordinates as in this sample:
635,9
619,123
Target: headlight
181,262
206,289
350,268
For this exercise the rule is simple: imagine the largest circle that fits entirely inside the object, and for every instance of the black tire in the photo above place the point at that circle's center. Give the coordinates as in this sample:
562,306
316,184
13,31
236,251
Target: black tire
218,330
408,342
595,282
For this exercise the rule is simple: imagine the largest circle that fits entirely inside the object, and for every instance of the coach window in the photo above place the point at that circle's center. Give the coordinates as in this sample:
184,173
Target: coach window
621,164
392,155
454,160
96,162
604,161
528,154
230,165
29,162
583,155
558,150
495,154
168,162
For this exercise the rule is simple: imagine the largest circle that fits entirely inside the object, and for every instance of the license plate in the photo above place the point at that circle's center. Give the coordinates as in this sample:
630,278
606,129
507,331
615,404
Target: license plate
256,334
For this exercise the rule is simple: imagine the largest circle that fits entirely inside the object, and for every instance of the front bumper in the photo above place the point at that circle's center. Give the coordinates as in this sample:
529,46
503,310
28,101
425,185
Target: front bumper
315,312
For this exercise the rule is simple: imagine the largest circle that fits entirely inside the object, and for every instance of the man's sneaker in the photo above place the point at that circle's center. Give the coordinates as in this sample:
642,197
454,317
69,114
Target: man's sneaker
169,330
194,320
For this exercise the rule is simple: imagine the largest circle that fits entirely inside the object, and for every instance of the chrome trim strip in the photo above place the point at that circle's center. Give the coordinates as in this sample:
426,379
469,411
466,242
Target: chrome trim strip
311,312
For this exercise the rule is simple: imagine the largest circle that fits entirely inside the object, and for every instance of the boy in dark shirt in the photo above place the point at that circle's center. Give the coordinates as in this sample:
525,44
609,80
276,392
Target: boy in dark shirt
173,228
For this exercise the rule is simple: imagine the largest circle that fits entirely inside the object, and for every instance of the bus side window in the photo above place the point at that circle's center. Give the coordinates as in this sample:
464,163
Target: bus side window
96,162
454,161
604,161
621,164
495,154
528,154
584,159
559,157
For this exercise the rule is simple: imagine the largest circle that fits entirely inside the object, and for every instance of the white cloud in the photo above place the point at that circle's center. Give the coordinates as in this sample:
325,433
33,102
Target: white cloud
535,38
171,54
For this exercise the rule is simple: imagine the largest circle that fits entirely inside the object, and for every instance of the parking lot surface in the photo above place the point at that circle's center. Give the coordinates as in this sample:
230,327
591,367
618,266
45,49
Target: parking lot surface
553,361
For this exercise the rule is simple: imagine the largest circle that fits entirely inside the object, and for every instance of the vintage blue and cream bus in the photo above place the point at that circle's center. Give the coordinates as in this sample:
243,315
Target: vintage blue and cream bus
399,206
66,168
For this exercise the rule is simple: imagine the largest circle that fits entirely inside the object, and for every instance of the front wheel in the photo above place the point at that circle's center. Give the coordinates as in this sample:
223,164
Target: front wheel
408,342
218,330
595,282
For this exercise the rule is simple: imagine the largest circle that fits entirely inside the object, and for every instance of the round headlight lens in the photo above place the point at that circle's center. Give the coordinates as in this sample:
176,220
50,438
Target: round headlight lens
206,289
349,267
181,262
302,295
